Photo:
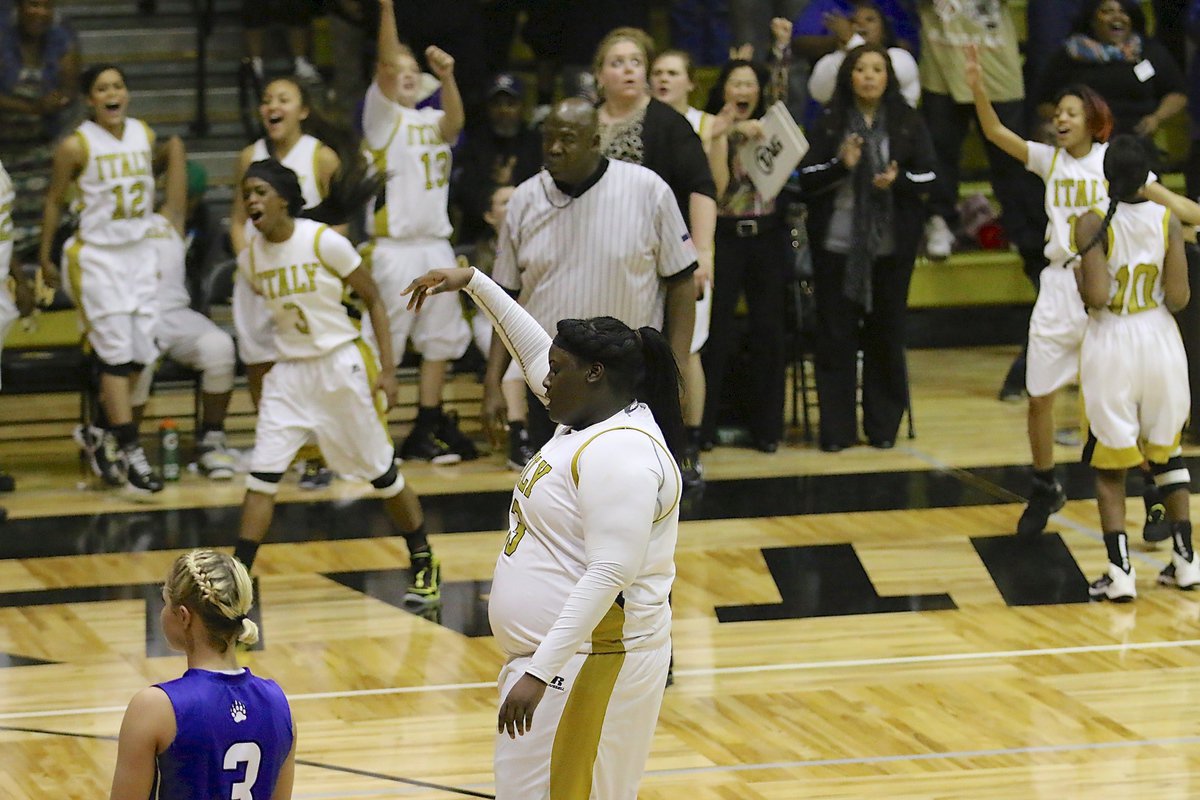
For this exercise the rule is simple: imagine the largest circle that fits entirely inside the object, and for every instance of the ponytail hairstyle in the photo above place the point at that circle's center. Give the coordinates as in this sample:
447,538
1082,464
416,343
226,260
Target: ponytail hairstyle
217,589
1095,109
350,189
1127,166
639,364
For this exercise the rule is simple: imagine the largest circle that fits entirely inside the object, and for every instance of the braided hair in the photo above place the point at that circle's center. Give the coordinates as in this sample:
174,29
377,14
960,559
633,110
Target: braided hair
1127,166
217,588
638,363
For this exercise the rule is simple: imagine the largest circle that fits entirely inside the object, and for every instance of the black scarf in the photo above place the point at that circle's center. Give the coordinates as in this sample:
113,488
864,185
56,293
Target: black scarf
872,207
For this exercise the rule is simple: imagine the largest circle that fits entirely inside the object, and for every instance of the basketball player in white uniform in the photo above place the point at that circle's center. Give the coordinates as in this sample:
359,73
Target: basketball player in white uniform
410,226
285,110
112,159
190,338
579,600
1133,369
1073,172
326,381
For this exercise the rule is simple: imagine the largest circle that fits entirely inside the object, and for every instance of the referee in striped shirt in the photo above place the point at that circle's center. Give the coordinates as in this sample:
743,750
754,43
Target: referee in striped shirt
589,237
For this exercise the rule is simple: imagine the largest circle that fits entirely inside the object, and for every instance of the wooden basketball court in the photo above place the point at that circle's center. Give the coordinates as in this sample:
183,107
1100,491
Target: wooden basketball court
855,625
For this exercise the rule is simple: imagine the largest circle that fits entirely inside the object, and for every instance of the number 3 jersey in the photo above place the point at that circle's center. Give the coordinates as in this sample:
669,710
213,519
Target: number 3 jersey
407,144
302,281
116,186
233,733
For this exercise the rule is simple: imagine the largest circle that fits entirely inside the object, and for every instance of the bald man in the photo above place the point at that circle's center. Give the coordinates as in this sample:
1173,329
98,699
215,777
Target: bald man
591,237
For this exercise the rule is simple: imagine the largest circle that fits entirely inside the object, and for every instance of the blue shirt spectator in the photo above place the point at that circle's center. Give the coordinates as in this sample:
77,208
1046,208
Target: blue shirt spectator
811,24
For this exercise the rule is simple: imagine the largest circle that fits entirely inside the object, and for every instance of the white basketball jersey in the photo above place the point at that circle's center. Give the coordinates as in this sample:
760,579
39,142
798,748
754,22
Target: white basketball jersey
302,160
301,281
701,122
7,196
1073,185
116,186
545,554
170,254
407,144
1137,248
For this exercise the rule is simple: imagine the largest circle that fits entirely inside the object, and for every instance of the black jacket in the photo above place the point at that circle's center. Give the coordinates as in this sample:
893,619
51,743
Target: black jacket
910,146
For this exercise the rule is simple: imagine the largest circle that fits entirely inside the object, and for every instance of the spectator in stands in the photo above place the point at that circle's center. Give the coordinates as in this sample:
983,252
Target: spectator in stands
637,128
825,23
503,150
1191,170
297,16
868,26
39,91
751,259
750,21
1109,51
562,32
184,334
866,175
946,28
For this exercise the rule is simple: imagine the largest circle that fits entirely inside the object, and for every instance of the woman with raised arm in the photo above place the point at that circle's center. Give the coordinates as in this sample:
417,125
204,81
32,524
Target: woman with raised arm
579,600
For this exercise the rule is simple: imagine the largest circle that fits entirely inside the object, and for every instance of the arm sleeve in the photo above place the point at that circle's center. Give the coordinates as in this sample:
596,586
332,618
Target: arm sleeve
380,118
824,75
1168,77
620,475
505,270
521,334
335,252
918,175
907,74
1041,156
821,169
676,250
692,175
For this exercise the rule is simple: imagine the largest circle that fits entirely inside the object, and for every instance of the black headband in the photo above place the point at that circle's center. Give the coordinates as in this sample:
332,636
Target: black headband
281,179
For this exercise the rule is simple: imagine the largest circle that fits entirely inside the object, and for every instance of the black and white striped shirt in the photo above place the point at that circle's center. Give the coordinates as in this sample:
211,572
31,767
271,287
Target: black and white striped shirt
605,252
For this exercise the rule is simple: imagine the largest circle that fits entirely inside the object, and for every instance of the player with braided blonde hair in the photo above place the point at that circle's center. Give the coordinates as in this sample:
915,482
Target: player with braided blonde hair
218,731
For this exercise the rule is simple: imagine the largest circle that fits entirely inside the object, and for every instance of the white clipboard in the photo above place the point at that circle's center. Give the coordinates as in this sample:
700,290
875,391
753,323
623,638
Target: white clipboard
769,161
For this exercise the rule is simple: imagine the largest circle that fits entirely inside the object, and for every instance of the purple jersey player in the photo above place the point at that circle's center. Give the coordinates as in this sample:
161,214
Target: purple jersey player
218,731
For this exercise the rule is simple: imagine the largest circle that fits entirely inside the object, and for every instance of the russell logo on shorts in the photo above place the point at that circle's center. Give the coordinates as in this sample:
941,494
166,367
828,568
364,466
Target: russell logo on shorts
558,683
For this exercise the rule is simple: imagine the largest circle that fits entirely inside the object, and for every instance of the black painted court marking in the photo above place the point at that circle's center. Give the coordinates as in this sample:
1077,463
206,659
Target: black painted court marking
317,764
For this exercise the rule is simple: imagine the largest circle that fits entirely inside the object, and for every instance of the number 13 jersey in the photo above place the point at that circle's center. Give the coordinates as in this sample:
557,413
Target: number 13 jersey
116,186
407,144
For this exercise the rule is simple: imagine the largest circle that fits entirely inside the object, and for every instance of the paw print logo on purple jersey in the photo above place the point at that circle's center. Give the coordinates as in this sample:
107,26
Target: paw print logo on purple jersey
238,711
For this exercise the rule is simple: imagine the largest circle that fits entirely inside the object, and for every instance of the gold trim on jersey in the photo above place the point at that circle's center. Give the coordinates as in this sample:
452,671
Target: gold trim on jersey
75,276
378,158
151,137
372,364
317,251
579,452
1166,223
577,738
316,169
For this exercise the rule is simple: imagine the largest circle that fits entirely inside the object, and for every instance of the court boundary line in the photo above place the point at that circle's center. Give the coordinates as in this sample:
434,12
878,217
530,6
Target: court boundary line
798,666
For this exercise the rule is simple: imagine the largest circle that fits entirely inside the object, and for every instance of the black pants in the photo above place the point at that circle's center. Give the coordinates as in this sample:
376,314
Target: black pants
756,266
1019,191
843,327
